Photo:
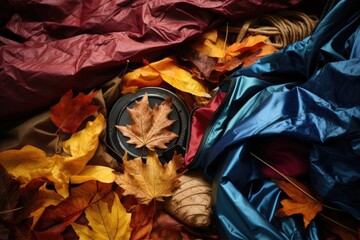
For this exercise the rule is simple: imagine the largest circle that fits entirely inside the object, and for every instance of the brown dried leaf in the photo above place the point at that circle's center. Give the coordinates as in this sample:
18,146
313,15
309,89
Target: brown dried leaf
150,126
150,181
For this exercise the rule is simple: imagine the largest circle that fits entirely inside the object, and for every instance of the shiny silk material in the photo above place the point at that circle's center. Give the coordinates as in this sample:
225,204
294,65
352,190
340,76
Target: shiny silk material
48,47
200,119
308,92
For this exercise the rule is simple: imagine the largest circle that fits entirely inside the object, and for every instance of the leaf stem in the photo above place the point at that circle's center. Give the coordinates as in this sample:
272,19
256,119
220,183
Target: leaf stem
57,146
284,176
336,222
11,210
121,76
307,194
289,180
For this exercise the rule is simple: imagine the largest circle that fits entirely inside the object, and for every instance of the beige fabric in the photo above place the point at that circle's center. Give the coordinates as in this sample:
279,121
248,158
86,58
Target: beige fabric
39,131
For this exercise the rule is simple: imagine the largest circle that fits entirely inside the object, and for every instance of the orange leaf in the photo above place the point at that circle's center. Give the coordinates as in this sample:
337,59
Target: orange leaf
166,69
70,112
56,218
301,201
150,181
238,48
244,53
142,221
150,126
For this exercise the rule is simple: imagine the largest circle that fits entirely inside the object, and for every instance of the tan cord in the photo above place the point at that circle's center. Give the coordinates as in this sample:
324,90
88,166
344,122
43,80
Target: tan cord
282,28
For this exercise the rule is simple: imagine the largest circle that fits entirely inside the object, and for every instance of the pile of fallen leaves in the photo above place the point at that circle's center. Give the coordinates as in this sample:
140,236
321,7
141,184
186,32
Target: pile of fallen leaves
62,196
51,197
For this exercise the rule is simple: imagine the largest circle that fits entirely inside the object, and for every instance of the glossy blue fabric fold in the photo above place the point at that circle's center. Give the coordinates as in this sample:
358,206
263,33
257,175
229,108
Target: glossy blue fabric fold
308,91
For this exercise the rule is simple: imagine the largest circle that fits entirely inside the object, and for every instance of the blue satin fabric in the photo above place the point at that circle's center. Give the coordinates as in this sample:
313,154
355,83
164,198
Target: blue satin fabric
309,91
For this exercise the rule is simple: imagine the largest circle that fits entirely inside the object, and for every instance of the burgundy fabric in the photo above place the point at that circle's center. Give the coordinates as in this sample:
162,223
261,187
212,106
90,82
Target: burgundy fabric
48,47
199,122
287,155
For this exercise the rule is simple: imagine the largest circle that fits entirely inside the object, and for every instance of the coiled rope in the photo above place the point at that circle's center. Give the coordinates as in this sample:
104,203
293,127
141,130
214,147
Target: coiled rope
282,28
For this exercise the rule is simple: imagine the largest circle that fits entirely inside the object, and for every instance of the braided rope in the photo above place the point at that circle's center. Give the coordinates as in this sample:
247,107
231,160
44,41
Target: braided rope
282,28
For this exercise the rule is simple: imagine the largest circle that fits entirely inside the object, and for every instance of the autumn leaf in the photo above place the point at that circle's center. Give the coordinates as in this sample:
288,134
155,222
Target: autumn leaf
249,43
56,218
9,195
31,162
203,64
151,180
105,224
43,198
150,126
164,70
82,145
70,112
244,53
210,44
301,201
169,228
142,218
94,172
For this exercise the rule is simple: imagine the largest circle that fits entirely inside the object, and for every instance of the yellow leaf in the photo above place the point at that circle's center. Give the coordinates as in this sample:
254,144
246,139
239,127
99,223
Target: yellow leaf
301,201
93,172
82,145
44,198
31,162
141,77
105,224
167,70
210,44
150,126
150,181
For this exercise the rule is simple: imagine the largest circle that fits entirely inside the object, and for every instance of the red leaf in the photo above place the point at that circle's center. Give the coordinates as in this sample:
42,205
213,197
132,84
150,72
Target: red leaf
142,217
56,218
70,112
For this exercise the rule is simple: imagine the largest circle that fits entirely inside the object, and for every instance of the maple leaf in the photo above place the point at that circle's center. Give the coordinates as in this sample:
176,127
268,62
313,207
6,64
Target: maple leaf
301,201
149,126
151,180
105,224
70,112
